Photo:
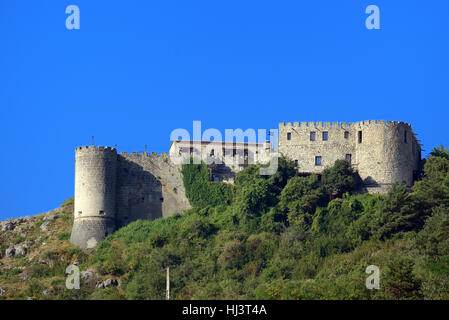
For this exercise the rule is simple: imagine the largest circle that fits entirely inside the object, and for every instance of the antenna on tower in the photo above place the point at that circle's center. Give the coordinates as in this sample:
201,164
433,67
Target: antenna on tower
146,148
93,140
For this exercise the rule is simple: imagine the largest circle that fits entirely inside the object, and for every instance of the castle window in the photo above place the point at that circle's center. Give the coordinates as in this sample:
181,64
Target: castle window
348,158
101,212
296,163
212,152
318,160
346,134
312,136
325,135
289,136
405,136
162,199
360,136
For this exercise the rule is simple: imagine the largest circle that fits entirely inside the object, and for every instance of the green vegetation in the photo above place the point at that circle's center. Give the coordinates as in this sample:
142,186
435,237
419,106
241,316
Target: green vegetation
289,237
283,236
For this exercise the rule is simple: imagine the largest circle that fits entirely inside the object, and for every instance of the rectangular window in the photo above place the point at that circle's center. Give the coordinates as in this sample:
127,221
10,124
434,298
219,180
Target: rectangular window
212,152
289,136
101,212
405,136
296,163
348,158
312,136
360,136
318,160
346,134
325,136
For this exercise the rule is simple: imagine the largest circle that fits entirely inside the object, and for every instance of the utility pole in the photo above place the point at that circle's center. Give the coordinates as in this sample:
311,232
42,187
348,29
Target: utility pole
167,295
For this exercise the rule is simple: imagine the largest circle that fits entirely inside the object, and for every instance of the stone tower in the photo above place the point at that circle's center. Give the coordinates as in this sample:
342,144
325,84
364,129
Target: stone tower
383,152
95,183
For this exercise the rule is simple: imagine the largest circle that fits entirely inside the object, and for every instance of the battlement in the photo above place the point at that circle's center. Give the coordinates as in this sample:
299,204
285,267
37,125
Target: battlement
144,154
321,124
95,148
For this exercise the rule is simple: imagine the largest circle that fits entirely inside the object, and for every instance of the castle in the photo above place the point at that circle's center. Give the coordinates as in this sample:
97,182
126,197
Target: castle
112,190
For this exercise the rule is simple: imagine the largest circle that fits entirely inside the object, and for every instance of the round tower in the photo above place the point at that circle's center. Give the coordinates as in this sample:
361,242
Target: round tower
95,184
386,153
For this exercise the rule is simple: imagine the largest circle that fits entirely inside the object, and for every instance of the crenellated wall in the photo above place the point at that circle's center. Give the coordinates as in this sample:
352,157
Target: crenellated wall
388,150
112,190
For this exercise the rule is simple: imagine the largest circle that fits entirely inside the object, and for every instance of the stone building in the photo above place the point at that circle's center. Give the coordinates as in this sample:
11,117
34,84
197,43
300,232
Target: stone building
112,190
224,159
382,152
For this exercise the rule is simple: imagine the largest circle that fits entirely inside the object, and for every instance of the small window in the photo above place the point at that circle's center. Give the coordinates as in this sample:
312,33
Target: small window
318,160
313,136
212,152
289,136
296,163
346,134
348,158
325,136
162,199
101,212
405,136
80,213
360,136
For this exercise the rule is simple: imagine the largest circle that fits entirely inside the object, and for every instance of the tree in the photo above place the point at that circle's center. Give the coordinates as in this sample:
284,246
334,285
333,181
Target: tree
340,178
400,282
440,152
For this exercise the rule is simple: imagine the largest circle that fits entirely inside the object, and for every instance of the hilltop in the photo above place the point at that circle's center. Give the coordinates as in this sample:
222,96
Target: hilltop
266,237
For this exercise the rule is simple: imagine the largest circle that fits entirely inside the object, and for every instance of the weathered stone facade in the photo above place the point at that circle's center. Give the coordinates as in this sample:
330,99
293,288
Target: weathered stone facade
224,159
112,190
382,152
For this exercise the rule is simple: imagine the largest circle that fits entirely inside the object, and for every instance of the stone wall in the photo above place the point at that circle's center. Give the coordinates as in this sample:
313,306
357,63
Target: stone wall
148,187
382,152
113,190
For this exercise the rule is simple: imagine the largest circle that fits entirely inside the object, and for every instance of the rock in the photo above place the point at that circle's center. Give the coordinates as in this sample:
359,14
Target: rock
108,283
21,250
44,226
2,291
46,293
86,275
9,253
6,225
50,217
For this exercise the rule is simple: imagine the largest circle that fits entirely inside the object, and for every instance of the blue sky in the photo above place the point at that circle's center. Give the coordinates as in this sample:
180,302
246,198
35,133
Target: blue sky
136,70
